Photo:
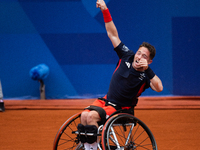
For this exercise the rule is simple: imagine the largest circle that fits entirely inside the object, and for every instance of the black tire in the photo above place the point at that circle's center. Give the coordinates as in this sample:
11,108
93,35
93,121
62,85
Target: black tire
141,138
65,139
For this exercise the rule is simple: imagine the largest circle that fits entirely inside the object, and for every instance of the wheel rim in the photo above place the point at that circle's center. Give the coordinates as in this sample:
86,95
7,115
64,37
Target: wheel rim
65,138
140,137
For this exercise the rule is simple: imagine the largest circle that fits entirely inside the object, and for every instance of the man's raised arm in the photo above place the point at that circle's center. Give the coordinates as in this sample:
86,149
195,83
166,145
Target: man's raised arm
109,24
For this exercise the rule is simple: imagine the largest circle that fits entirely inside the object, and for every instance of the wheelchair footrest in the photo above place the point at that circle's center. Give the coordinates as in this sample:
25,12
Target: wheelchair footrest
85,133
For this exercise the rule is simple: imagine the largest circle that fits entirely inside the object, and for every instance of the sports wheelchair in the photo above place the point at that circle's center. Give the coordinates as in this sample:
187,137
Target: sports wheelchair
121,131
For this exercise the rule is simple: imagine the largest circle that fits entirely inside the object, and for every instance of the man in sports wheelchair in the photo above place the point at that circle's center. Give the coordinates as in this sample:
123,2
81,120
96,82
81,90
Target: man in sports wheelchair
130,78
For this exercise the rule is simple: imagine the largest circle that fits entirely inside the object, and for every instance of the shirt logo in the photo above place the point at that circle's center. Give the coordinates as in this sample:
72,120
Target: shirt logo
128,64
124,48
142,76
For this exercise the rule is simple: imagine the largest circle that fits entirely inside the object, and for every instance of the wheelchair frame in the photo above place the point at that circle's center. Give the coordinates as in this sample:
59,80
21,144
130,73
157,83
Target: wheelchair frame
122,131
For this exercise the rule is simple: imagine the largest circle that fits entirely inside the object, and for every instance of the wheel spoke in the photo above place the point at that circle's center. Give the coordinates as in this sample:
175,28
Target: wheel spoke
131,133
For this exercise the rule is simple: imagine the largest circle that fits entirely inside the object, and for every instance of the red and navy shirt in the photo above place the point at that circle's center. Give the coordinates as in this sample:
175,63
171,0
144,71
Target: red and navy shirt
126,83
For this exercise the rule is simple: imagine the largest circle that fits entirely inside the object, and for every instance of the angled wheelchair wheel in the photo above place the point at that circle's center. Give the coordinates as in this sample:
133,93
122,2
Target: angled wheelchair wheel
126,132
65,138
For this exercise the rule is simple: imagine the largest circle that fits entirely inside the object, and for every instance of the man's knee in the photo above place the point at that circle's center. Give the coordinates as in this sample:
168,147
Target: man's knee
92,117
100,114
84,116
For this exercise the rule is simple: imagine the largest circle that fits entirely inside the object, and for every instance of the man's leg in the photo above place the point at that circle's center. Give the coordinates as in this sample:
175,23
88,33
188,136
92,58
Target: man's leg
89,119
93,118
84,115
92,127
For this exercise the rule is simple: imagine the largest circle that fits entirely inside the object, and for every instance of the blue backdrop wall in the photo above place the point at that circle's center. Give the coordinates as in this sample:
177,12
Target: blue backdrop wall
69,36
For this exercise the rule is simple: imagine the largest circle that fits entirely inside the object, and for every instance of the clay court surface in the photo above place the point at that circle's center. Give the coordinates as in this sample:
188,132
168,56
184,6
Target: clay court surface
33,124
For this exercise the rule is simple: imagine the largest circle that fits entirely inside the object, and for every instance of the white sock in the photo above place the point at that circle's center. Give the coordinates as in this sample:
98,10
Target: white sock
93,146
87,146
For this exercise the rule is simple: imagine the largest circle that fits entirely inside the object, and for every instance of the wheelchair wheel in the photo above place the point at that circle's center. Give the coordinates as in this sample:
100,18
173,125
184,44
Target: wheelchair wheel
125,132
65,138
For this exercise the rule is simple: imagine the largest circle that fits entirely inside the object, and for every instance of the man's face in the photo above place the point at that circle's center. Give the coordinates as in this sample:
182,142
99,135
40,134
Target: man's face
141,59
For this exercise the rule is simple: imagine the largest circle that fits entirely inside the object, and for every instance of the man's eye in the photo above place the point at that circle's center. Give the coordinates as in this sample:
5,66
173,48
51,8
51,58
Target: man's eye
144,56
138,53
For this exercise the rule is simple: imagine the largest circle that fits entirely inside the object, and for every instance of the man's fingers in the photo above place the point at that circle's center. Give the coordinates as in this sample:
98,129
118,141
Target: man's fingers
143,63
98,4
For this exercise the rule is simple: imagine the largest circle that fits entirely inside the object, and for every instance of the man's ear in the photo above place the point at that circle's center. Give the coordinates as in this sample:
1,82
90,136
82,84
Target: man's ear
150,61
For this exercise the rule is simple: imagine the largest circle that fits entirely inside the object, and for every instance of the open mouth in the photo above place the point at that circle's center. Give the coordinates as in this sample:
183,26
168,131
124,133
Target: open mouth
137,63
